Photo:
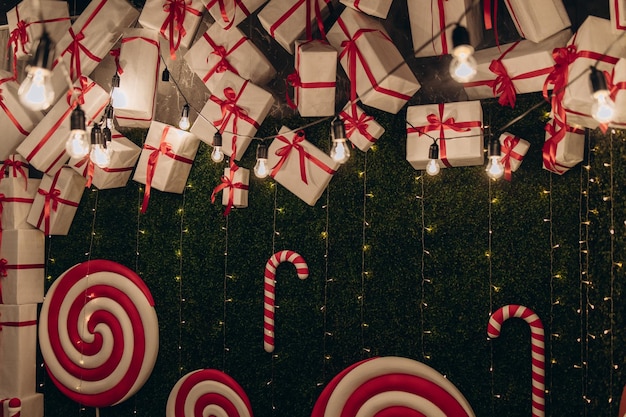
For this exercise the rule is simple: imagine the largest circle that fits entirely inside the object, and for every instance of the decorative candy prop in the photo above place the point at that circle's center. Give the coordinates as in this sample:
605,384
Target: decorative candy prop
99,333
208,392
537,348
269,293
391,386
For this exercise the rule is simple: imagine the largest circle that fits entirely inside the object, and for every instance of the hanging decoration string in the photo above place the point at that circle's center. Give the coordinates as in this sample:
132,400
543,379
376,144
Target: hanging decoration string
275,233
364,249
179,280
491,290
614,265
553,247
225,298
326,334
423,279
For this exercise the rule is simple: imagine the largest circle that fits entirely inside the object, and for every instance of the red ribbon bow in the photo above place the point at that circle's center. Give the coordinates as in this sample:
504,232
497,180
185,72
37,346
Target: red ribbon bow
174,22
222,6
229,108
51,202
16,168
229,182
357,123
223,64
75,48
508,144
303,155
556,133
563,57
318,17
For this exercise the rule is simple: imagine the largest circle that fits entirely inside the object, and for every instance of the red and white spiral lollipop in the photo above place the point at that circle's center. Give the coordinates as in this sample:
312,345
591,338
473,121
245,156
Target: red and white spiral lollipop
99,333
537,348
391,386
269,290
208,392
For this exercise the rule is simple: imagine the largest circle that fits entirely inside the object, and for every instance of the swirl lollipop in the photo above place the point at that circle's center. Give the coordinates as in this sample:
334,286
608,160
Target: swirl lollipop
391,386
99,333
208,392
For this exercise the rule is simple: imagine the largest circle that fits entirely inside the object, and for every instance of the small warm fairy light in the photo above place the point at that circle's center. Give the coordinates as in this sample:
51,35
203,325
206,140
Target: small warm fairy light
324,235
488,254
177,278
366,247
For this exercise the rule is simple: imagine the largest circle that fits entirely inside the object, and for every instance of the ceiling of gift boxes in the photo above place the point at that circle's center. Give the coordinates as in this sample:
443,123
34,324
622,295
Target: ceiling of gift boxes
431,72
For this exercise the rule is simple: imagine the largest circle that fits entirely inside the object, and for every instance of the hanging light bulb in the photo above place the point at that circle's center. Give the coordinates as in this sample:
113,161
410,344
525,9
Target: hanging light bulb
183,123
36,90
432,167
463,65
77,144
340,151
494,169
603,109
109,112
99,153
261,170
118,96
217,155
108,136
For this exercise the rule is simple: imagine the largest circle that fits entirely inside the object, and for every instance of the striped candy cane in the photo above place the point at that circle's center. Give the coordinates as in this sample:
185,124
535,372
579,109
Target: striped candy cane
537,347
269,293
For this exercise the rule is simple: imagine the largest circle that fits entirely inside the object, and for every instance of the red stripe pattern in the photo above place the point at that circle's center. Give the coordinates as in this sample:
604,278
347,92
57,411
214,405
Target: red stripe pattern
537,343
14,407
269,290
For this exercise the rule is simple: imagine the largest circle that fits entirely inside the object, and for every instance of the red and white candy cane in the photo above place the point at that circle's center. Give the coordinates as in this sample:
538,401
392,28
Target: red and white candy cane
537,344
269,290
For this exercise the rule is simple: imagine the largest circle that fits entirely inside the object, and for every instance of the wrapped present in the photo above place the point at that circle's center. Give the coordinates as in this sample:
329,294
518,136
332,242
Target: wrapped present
234,187
16,121
220,51
289,20
431,31
617,12
237,108
512,152
537,20
376,69
457,127
56,201
30,405
15,165
361,129
27,20
229,13
44,148
139,70
124,155
300,166
313,81
90,39
165,160
563,148
377,8
22,262
176,21
520,67
616,83
16,198
18,349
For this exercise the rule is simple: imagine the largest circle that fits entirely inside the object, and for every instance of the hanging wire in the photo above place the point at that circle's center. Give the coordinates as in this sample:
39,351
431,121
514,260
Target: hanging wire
424,280
326,334
612,280
179,280
364,248
225,298
553,247
491,287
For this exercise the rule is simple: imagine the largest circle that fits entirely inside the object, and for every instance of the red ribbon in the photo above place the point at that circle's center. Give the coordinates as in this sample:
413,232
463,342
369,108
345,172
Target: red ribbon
228,182
508,144
294,8
4,267
296,144
436,122
294,80
89,169
357,123
442,26
222,65
52,198
15,168
491,20
616,4
115,53
230,109
164,148
10,115
612,86
17,323
228,20
74,48
556,133
174,22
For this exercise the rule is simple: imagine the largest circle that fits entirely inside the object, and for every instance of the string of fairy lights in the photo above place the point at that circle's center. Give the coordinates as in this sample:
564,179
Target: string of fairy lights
365,249
326,334
424,280
554,246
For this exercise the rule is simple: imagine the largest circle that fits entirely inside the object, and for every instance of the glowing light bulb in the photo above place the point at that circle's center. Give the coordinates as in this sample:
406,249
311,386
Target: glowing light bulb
603,109
183,123
261,170
77,144
495,169
36,90
217,155
432,167
340,151
100,156
463,65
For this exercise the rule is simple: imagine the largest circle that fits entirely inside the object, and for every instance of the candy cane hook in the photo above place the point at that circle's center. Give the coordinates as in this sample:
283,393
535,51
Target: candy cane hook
537,348
269,293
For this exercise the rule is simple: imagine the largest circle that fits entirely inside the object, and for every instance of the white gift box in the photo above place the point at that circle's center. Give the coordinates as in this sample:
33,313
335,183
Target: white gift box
537,20
135,99
285,20
440,24
361,129
563,148
308,176
595,45
124,155
31,405
44,148
457,128
219,51
92,35
383,79
16,120
237,108
165,160
176,21
26,24
617,10
314,81
234,187
512,152
229,13
520,67
16,198
377,8
59,196
18,348
616,83
24,253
